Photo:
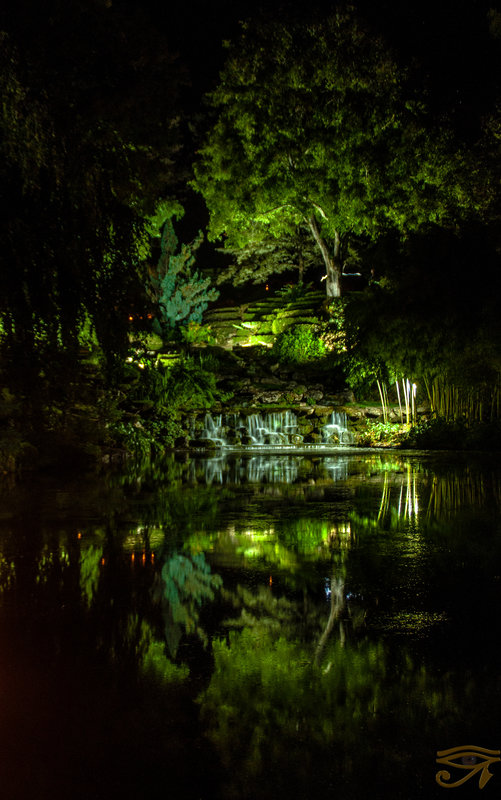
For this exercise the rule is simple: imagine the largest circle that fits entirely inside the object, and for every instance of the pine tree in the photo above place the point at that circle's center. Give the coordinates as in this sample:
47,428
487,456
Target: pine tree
182,294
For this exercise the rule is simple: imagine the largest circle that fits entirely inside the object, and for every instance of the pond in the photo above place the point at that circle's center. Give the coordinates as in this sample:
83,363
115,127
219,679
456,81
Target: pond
253,626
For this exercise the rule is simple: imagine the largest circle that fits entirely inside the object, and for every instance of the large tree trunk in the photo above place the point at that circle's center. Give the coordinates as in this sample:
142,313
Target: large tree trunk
331,261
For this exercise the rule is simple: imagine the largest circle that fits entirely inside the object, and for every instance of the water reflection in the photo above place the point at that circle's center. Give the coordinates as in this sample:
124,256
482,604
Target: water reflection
238,469
251,626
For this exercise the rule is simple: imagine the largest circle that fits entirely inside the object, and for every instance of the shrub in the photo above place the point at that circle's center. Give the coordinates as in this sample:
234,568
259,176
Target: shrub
190,385
381,434
299,345
295,291
441,434
195,333
436,434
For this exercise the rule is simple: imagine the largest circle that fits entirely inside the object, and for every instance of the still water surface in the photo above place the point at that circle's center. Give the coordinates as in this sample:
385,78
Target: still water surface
257,626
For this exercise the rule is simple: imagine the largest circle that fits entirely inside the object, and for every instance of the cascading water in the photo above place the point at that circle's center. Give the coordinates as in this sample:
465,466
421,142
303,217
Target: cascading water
213,430
276,429
336,431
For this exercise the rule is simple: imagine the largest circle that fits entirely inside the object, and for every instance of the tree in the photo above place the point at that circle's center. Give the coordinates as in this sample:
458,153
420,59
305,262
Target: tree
76,176
181,294
271,256
312,126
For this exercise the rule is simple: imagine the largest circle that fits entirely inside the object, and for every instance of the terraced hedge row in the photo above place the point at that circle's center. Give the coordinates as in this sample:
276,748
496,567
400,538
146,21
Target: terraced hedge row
259,322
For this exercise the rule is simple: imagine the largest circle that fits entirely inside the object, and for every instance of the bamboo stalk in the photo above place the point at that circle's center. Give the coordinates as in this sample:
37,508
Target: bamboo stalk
399,401
382,399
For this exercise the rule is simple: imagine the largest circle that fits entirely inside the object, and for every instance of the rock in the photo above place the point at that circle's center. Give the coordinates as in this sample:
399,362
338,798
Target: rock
271,381
341,398
206,444
234,437
293,397
271,397
322,411
305,410
305,426
313,438
373,412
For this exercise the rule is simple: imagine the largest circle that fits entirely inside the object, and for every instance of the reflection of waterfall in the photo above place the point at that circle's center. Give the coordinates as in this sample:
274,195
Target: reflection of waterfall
214,470
336,431
272,470
278,429
336,468
257,469
234,469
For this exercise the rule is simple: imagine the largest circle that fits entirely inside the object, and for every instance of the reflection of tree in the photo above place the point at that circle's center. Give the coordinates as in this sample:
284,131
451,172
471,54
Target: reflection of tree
280,720
451,492
336,593
90,559
413,491
186,583
7,573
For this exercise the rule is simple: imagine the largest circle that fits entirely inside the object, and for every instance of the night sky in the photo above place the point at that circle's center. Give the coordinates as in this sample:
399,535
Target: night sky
448,41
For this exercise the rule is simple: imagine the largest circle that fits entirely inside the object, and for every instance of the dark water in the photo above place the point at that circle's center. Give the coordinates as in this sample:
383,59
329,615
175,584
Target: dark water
259,627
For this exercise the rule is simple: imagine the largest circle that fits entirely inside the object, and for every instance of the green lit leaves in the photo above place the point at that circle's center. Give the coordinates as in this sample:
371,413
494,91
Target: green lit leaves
186,583
314,121
181,293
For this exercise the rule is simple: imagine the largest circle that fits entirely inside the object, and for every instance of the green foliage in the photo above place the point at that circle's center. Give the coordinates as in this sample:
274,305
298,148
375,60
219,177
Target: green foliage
313,128
299,344
158,666
423,322
382,434
80,166
132,437
267,698
165,209
293,251
182,294
195,333
90,558
294,291
187,583
149,382
192,384
436,434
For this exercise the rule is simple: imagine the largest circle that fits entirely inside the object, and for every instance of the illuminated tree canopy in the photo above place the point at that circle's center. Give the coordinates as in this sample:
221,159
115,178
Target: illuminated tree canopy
312,126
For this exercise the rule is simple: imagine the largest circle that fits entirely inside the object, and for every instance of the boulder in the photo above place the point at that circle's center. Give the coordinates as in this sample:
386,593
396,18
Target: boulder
206,444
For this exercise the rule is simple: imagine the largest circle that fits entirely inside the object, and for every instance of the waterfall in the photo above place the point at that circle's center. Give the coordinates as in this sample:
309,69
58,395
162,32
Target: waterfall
336,431
213,429
276,429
